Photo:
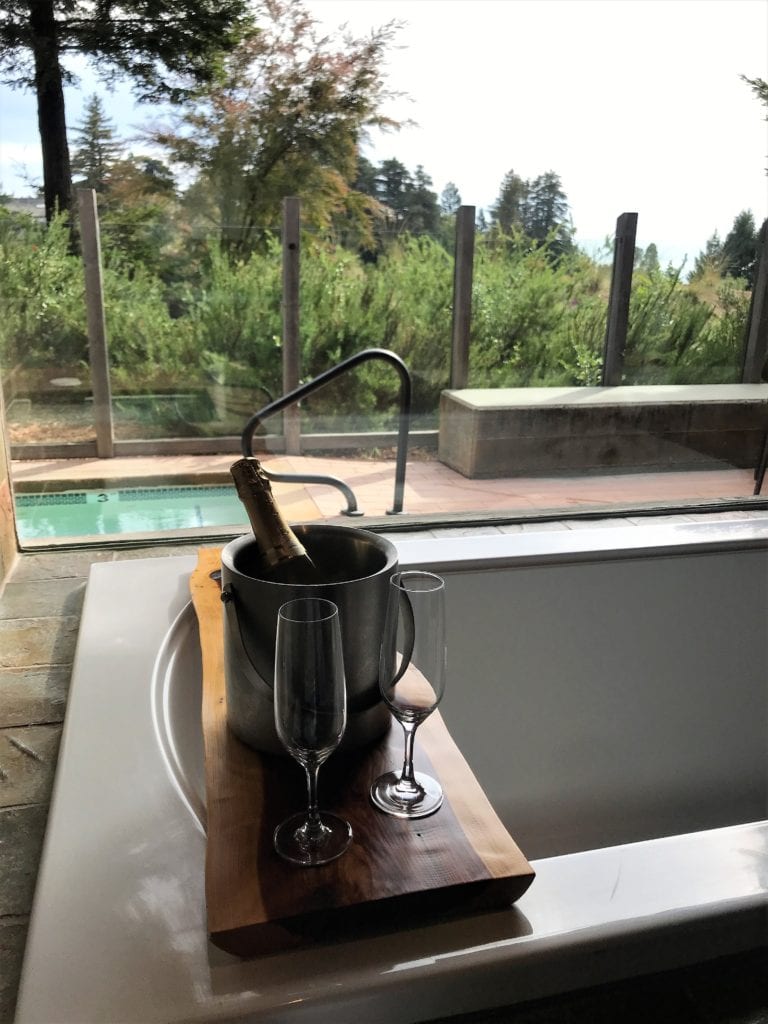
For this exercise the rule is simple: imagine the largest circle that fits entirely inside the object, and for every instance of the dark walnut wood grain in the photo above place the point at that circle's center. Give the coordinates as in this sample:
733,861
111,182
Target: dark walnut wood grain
455,862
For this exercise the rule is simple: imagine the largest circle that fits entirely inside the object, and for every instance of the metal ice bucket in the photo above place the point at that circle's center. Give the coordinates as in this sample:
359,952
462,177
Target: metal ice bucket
357,565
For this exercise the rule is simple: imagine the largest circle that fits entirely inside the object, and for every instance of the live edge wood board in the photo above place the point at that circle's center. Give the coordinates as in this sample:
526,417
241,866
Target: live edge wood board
396,873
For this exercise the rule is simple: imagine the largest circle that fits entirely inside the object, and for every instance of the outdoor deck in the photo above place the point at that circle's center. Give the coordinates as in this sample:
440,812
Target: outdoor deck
431,488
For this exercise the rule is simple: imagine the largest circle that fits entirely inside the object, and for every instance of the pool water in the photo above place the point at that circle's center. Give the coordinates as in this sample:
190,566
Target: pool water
126,510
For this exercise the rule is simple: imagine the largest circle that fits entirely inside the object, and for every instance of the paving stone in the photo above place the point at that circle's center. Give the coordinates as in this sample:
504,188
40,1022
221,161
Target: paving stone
21,840
410,535
160,551
37,641
36,598
13,937
466,531
549,525
48,565
587,524
658,520
33,696
28,764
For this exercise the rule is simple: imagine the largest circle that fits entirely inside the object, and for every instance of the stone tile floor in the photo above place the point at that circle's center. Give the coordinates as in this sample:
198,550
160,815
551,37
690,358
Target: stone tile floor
39,616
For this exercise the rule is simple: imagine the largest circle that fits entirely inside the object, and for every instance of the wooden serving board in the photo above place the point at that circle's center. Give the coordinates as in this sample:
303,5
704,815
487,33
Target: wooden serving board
396,873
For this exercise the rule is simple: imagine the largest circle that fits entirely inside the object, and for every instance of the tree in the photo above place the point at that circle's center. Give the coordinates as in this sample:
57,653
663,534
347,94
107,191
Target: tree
545,216
140,216
450,199
394,185
507,212
365,178
98,149
648,260
422,215
407,199
285,117
168,47
709,259
739,253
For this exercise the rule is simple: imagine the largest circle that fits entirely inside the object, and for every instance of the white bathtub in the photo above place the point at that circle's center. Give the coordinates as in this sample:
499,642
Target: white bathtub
609,688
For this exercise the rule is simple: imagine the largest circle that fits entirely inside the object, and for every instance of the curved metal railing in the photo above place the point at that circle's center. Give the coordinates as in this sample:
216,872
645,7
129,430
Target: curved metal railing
292,397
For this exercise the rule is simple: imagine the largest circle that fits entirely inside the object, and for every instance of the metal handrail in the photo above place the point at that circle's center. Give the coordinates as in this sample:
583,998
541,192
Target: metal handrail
292,397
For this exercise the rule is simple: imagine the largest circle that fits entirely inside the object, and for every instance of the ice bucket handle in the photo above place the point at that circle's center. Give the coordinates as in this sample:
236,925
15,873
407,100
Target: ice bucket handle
246,665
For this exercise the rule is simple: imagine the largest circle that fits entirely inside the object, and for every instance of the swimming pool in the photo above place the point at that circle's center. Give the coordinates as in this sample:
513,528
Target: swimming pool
82,513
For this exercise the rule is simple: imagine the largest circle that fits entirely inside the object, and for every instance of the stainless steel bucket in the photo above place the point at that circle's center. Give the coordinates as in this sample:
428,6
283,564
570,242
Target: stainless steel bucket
358,565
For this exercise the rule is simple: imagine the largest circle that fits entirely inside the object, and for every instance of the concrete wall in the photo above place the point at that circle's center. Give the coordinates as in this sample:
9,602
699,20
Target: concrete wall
497,432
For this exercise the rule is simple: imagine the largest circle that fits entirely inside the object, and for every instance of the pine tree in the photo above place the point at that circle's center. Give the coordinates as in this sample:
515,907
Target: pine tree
545,214
545,210
167,48
98,148
709,259
740,248
648,260
507,211
450,200
423,216
409,197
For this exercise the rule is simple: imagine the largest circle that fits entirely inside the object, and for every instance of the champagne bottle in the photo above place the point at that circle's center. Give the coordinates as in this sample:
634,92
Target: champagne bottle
284,558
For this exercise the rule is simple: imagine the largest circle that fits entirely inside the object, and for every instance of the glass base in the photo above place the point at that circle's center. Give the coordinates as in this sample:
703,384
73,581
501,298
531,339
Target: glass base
392,796
299,845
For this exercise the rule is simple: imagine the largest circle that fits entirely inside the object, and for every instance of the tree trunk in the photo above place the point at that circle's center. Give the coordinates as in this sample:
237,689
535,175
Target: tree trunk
57,176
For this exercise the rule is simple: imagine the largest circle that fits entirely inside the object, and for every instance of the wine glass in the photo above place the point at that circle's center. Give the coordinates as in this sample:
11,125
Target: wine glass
412,680
310,715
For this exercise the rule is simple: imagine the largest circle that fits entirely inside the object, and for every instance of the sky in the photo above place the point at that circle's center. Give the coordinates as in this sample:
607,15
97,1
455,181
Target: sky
637,105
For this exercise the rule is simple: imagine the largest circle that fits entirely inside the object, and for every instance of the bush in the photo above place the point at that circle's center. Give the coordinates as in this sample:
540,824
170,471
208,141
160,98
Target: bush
538,320
43,322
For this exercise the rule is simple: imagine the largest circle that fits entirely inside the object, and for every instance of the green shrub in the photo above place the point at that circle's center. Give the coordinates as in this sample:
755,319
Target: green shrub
537,320
43,295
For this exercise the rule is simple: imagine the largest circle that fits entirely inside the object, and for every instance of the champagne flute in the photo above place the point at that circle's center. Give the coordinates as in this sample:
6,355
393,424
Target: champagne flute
310,715
412,680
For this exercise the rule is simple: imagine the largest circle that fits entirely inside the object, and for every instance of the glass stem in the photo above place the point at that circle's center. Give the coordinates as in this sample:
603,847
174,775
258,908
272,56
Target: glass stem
314,825
407,776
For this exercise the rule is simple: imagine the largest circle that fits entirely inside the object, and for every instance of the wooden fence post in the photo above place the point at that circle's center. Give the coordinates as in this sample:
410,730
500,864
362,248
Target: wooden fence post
756,342
291,350
463,269
98,353
618,301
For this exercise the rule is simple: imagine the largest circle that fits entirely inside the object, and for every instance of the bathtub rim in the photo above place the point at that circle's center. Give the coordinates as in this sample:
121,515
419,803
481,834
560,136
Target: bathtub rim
685,931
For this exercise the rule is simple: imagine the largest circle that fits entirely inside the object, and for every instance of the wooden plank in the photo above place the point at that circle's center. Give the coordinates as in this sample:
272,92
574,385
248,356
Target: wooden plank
756,347
98,354
457,861
618,299
463,271
291,321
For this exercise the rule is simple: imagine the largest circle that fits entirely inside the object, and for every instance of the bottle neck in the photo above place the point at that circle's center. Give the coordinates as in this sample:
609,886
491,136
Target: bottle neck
277,541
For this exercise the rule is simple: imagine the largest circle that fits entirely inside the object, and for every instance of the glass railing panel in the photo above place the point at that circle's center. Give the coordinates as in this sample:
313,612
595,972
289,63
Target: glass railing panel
195,341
